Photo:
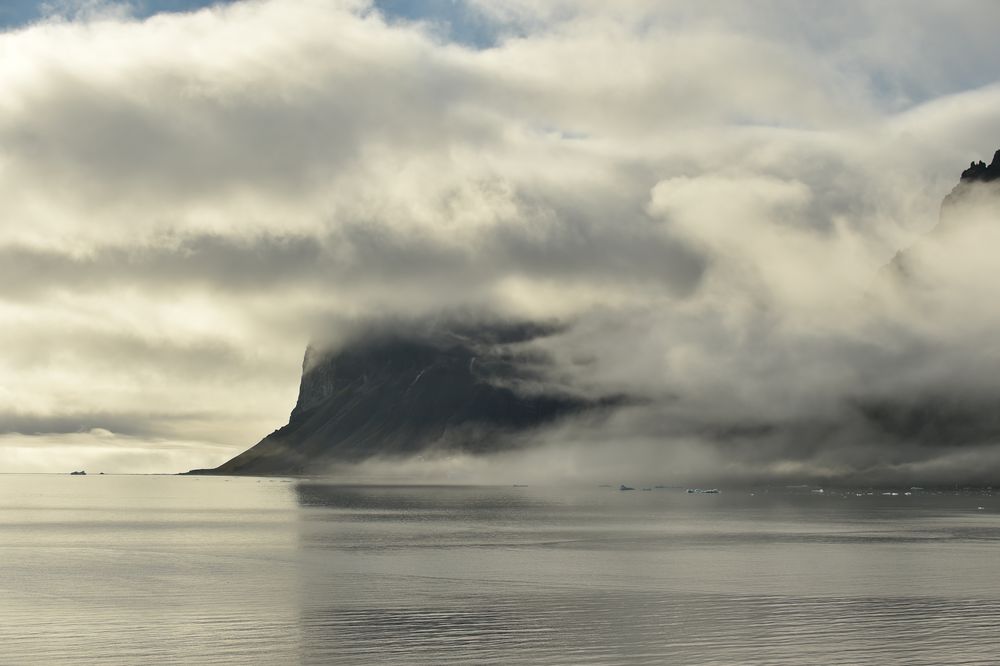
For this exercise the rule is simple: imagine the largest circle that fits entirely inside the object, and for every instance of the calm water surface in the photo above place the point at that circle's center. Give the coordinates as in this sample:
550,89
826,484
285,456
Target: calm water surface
131,570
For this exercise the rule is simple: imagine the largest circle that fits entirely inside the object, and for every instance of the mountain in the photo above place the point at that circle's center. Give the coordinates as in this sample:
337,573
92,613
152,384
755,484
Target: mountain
978,185
942,415
977,194
407,389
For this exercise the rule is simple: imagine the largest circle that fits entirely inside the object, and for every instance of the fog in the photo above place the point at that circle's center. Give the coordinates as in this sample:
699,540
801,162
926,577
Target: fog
708,199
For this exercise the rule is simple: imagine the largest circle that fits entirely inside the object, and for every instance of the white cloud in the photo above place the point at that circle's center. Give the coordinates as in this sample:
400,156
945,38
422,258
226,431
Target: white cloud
708,190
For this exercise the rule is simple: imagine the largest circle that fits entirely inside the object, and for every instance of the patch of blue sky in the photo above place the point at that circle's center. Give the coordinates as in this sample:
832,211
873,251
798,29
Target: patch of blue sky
17,13
454,21
451,20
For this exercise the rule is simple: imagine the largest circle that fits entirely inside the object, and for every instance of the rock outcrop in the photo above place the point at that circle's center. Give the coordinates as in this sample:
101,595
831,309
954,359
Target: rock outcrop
978,185
981,172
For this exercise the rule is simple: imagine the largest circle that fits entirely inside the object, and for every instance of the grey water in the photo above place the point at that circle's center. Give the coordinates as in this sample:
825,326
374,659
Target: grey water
200,570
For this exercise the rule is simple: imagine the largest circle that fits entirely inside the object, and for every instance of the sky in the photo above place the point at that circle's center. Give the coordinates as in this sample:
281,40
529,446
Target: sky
705,193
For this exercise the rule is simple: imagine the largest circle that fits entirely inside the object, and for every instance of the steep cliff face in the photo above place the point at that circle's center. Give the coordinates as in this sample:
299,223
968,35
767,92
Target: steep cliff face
459,388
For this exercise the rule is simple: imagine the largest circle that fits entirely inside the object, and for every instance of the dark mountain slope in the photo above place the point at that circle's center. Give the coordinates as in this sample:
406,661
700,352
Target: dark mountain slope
459,388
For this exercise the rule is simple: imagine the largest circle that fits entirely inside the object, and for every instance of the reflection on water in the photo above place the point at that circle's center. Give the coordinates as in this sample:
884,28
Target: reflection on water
210,570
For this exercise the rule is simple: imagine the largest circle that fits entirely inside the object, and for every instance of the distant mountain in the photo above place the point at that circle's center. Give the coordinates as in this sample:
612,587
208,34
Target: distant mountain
978,190
942,416
979,184
407,389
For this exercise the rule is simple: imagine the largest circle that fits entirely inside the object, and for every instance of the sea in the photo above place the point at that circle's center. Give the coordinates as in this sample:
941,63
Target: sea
216,570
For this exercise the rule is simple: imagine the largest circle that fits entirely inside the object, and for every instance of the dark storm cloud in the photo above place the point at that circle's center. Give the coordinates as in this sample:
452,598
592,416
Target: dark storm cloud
580,250
203,359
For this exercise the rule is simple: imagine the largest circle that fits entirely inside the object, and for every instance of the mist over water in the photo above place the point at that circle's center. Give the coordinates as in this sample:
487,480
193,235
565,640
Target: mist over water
239,570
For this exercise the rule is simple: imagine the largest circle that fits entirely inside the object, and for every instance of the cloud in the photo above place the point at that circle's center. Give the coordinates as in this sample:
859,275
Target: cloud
705,193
